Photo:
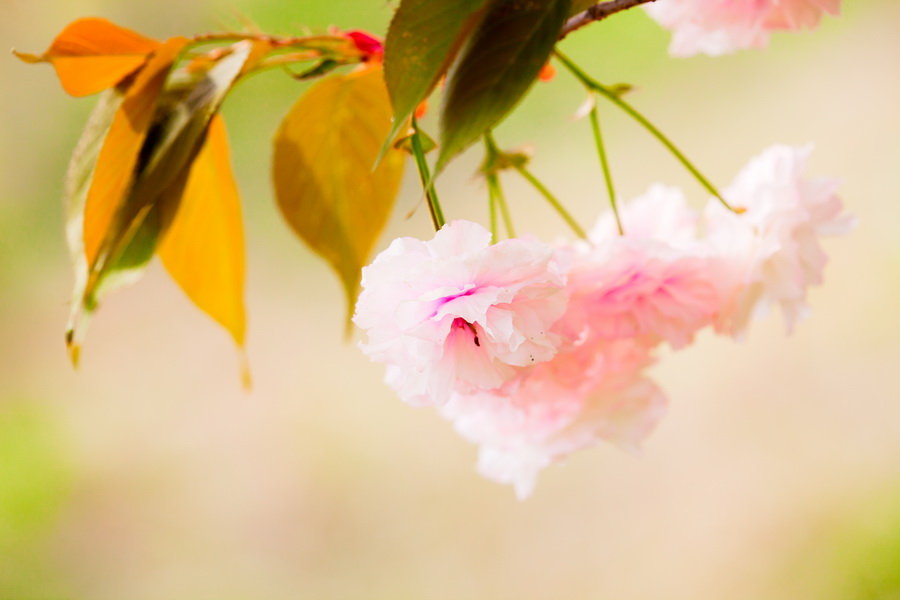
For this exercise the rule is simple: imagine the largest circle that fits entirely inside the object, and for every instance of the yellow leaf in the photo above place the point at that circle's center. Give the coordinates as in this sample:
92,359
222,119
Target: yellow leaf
204,247
91,55
118,156
322,168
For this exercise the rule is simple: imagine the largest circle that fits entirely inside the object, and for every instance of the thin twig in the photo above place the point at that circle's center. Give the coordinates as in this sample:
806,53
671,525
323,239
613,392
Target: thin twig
598,12
274,40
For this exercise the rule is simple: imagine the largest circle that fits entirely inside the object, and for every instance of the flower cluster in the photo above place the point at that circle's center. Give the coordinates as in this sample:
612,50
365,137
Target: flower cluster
716,27
534,351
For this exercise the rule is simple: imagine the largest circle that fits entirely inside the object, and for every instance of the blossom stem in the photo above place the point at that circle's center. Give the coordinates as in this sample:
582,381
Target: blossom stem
504,211
495,191
492,210
434,205
554,202
604,163
499,199
595,86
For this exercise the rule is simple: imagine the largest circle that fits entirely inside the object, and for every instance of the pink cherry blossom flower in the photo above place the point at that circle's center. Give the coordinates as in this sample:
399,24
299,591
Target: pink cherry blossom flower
542,423
644,289
771,254
660,214
535,352
655,282
588,392
716,27
458,314
626,294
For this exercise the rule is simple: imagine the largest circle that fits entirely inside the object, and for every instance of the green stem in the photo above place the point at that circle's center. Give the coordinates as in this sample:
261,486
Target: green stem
557,206
596,86
492,208
434,205
504,209
604,163
499,199
495,191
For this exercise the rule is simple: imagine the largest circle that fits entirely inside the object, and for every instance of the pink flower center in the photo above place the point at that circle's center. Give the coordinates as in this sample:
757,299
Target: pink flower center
460,323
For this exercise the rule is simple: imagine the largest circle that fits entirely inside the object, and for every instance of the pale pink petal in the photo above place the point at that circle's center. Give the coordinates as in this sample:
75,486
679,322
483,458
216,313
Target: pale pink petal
716,27
771,253
459,314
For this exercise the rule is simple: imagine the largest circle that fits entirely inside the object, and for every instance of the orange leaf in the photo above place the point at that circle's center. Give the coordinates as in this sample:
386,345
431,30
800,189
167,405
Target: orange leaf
138,176
116,163
91,55
204,247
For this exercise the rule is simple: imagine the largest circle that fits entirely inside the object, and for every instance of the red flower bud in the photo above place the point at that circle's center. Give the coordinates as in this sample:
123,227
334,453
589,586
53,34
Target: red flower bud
369,45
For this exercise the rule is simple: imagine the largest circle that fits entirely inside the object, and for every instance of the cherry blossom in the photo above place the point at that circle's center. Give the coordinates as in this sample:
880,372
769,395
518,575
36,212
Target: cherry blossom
716,27
588,393
534,352
771,252
458,313
654,282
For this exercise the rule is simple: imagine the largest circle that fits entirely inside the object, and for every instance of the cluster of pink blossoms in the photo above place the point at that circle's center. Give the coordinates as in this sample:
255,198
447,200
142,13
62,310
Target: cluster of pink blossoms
534,351
717,27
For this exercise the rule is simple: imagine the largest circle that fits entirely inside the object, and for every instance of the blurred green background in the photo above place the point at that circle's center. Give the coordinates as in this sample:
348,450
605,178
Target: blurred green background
149,474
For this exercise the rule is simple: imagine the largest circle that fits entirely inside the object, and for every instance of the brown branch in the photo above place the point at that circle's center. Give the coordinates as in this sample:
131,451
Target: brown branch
598,12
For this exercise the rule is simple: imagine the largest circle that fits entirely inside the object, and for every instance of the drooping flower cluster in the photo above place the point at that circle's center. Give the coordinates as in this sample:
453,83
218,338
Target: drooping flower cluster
716,27
536,351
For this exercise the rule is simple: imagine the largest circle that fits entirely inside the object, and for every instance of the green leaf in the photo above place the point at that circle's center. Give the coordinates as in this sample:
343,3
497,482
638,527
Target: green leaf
502,60
322,170
424,38
129,236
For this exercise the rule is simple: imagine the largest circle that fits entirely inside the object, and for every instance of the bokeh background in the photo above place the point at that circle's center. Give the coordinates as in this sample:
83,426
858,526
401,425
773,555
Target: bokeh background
150,474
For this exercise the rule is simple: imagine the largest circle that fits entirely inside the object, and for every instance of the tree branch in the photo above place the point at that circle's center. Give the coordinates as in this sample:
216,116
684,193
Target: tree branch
598,12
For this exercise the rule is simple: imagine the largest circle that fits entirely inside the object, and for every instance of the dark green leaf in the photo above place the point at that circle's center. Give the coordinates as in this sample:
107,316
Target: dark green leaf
502,60
423,39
